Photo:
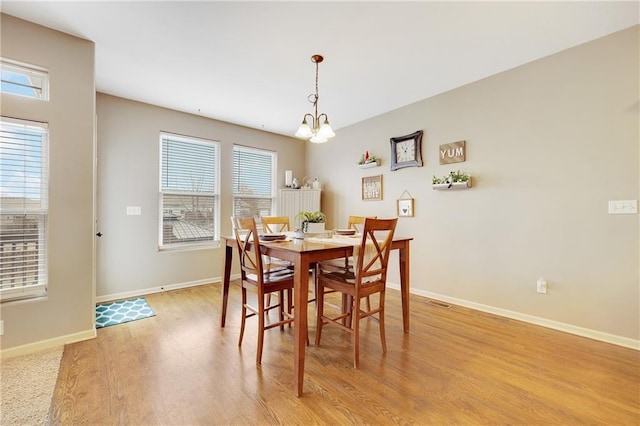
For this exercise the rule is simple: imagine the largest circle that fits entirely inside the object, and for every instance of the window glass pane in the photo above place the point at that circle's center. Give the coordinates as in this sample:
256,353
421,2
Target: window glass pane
23,208
189,191
24,80
253,182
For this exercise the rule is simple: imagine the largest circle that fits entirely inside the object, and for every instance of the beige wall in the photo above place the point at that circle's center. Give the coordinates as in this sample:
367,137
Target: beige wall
548,144
128,175
67,313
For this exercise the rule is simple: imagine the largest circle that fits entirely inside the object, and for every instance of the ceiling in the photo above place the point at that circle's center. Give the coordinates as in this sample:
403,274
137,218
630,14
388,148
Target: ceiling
249,62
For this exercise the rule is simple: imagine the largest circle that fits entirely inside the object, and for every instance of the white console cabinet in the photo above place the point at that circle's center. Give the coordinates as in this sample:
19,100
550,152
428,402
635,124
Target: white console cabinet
293,201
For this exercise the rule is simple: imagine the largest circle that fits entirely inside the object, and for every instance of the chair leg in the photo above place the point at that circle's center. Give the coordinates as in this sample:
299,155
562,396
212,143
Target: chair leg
383,339
281,308
319,312
244,315
261,315
355,318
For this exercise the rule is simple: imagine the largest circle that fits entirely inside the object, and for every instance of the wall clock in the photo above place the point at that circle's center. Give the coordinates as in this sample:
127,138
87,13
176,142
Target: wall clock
406,151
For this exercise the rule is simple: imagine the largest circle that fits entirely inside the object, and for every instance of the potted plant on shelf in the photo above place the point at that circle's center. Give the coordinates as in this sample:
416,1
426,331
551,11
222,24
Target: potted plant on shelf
367,161
455,179
312,221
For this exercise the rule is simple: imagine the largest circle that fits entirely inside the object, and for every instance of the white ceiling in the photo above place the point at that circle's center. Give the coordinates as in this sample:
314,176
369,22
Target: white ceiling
249,62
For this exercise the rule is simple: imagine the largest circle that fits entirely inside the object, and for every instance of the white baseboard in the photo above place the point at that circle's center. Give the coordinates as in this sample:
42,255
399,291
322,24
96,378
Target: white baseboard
49,343
151,290
556,325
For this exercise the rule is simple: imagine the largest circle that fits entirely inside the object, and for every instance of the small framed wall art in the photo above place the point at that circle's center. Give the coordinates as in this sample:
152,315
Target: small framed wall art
405,205
372,188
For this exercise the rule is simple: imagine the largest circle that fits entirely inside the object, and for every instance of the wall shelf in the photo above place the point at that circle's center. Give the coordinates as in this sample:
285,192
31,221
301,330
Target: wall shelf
370,165
455,185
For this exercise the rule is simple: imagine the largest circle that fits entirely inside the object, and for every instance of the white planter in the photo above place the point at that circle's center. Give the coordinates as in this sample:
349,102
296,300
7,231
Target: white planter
315,228
369,165
456,185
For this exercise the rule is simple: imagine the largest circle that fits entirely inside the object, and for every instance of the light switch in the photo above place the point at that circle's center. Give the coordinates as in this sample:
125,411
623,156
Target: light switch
623,206
134,210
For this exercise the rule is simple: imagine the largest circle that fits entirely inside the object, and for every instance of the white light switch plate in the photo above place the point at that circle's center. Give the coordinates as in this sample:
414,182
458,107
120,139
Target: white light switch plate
623,206
134,210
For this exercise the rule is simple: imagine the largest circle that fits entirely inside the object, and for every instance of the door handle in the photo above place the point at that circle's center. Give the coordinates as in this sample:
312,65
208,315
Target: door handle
99,234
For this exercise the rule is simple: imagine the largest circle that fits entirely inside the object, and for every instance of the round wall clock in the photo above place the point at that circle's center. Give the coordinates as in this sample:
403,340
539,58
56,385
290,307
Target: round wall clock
406,151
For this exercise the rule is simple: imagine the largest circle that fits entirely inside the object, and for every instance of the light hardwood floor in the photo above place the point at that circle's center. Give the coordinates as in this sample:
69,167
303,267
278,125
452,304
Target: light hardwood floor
455,366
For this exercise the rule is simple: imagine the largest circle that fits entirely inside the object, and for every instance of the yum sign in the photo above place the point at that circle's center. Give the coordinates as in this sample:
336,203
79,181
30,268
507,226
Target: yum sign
452,152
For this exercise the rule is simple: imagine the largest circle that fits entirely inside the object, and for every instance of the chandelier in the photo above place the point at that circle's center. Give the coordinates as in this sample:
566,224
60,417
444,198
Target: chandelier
319,130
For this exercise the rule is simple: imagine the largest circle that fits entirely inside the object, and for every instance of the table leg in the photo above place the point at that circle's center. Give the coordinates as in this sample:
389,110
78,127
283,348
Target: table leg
300,300
403,256
226,262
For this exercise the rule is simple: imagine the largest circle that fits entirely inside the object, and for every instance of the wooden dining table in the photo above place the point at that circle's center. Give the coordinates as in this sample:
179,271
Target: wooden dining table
303,253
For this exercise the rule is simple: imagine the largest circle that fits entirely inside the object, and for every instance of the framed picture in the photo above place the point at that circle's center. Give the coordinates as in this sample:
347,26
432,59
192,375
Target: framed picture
405,207
372,188
406,151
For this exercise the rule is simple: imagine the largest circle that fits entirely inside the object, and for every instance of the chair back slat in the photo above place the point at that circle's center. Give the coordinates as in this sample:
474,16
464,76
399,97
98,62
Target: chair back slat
275,224
373,252
357,222
246,234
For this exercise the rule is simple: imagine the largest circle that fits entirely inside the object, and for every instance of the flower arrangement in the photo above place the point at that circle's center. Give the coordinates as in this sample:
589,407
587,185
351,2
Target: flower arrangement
367,159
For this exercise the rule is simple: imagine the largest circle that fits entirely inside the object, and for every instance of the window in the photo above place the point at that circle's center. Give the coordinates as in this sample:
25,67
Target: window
253,182
23,208
24,80
189,191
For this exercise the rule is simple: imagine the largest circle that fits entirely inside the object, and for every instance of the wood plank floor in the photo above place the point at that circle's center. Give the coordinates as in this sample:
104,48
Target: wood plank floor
455,366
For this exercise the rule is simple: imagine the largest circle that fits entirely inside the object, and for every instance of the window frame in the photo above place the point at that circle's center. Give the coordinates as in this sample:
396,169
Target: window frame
31,72
214,241
272,177
41,213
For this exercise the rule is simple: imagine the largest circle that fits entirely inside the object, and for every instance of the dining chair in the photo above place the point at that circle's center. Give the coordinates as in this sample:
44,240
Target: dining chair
346,264
275,223
371,258
263,280
281,224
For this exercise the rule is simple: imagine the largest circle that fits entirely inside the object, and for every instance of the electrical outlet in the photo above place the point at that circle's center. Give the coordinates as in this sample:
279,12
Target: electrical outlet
541,285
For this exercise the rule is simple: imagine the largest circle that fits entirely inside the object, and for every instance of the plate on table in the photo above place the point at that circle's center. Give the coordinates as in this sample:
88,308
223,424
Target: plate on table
345,232
273,236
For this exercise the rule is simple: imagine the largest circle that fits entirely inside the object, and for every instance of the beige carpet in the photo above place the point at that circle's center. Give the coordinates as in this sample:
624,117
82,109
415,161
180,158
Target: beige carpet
28,382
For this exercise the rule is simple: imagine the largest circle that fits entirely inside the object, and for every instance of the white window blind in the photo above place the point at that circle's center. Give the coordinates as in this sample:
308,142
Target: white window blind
189,191
24,80
23,208
253,182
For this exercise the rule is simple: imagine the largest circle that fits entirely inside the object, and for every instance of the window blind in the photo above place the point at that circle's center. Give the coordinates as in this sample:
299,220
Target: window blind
189,190
23,208
253,182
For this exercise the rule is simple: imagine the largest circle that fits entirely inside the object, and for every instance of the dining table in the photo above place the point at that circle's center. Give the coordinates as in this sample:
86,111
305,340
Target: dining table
304,253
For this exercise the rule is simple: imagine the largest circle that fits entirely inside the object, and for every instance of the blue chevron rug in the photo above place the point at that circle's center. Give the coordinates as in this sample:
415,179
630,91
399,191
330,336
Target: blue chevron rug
113,313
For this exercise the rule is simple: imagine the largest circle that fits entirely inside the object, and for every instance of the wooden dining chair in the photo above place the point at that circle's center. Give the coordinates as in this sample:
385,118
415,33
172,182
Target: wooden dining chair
371,260
346,264
263,281
281,224
275,224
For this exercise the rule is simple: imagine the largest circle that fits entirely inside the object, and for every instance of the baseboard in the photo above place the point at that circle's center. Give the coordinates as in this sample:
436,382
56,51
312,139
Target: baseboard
151,290
555,325
49,343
